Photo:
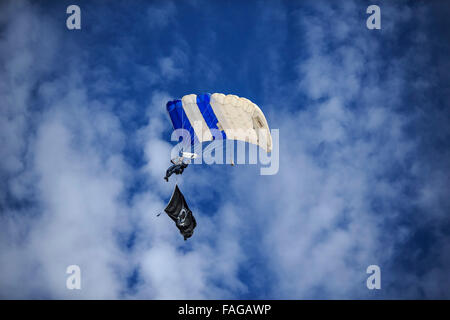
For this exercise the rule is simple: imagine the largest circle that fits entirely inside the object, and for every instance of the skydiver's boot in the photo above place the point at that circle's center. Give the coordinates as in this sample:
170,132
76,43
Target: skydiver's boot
169,172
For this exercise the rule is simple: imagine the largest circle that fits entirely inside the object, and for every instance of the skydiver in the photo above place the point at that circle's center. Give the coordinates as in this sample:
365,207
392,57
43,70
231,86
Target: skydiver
176,168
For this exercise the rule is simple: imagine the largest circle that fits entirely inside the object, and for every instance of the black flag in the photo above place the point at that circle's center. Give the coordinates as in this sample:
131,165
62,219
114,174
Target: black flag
179,212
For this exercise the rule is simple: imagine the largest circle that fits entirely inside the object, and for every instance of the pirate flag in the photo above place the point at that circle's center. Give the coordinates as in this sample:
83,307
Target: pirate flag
179,212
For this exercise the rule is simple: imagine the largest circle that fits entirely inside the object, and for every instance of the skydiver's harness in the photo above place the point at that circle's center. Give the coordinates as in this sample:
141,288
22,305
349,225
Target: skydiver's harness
176,168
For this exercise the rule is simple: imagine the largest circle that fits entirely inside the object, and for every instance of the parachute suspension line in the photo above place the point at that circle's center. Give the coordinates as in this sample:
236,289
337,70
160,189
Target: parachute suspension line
213,145
185,145
198,148
181,147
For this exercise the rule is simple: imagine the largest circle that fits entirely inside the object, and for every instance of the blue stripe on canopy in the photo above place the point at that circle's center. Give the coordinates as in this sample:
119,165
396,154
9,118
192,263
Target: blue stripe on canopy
180,119
203,103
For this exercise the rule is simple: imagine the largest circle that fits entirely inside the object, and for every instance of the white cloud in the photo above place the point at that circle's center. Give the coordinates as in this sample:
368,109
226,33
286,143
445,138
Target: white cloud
161,14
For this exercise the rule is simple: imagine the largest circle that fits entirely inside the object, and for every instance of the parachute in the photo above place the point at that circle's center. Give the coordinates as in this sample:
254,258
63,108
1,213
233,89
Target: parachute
233,117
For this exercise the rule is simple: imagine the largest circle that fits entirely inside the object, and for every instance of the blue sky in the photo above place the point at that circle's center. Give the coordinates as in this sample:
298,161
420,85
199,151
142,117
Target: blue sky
364,150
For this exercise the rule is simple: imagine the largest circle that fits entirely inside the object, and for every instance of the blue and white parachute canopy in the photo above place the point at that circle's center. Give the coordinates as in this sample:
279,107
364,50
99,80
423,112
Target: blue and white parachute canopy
209,117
